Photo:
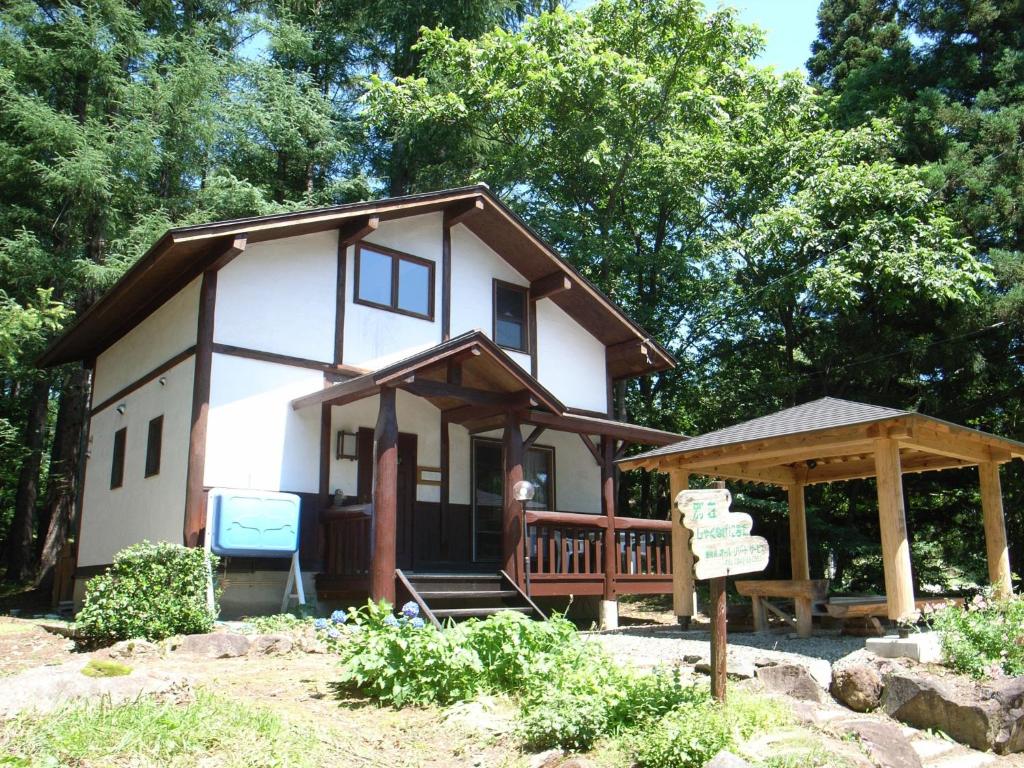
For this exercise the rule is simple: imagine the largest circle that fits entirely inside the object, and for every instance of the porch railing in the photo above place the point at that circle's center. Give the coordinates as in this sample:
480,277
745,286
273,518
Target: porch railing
567,554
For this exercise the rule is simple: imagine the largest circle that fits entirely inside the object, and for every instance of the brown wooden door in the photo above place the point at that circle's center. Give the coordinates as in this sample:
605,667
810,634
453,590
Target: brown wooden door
405,540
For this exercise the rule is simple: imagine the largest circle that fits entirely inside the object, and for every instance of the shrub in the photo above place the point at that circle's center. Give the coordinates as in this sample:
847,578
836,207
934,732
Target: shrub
687,737
983,637
151,591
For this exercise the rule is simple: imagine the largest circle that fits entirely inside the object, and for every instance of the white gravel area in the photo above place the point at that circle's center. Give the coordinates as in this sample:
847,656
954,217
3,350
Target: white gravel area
651,646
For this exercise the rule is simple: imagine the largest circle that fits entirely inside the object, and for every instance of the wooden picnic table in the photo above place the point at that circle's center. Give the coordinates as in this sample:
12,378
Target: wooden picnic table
805,594
871,607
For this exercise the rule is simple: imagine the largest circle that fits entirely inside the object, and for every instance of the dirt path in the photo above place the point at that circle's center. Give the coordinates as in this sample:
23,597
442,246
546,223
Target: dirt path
23,645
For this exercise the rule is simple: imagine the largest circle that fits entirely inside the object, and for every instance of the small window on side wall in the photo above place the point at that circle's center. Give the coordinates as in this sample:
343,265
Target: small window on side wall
117,464
395,281
510,316
154,443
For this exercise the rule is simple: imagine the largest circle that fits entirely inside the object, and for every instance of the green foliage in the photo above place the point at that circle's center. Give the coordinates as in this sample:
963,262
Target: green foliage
105,668
150,732
282,622
983,637
150,591
686,738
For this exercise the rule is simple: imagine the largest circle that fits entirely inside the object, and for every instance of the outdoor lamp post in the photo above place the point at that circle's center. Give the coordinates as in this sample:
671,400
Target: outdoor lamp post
524,491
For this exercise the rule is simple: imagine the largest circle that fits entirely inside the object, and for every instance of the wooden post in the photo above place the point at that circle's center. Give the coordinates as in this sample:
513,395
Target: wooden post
611,550
995,529
195,504
719,619
682,558
512,520
799,564
385,499
899,586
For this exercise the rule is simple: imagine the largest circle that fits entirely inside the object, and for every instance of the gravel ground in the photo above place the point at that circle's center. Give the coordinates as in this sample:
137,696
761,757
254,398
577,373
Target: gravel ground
656,645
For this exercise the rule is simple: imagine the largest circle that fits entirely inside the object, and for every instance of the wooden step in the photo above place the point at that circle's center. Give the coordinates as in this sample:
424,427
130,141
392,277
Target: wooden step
466,613
476,594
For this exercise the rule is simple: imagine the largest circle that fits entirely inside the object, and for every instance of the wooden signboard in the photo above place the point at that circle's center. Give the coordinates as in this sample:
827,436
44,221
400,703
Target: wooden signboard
720,539
722,546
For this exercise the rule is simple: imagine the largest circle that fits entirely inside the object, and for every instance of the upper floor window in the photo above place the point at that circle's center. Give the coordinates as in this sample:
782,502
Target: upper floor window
117,464
395,281
154,444
510,316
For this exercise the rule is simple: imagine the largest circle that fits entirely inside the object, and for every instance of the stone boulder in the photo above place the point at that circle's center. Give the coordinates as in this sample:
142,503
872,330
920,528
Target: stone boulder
271,645
215,645
792,680
737,669
134,649
982,716
857,686
884,742
726,759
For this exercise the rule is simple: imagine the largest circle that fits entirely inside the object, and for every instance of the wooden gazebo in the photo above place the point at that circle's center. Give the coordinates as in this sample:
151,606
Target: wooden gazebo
829,440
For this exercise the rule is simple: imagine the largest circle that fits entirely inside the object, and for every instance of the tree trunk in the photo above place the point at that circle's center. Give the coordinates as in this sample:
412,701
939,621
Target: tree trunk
65,471
18,555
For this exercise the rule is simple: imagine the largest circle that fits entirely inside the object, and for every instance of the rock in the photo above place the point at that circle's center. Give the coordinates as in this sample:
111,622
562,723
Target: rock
271,645
310,643
980,716
726,759
692,658
792,680
547,759
216,645
884,742
576,762
46,688
857,686
134,649
738,669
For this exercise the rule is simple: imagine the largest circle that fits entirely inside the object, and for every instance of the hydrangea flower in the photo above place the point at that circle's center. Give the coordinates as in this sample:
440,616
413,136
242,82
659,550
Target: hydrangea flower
333,633
339,617
410,610
390,621
417,622
320,624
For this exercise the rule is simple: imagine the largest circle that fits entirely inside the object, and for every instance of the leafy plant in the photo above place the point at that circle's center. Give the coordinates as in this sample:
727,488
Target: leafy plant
151,591
983,637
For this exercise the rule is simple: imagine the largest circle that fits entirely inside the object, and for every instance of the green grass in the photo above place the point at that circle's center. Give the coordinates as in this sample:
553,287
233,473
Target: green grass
150,733
8,628
105,668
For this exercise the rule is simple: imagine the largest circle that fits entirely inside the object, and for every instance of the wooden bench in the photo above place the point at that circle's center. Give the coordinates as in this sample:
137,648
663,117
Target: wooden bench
872,607
804,593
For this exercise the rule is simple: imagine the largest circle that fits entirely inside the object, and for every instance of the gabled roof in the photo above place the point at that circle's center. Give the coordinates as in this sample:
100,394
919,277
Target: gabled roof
185,252
826,440
489,384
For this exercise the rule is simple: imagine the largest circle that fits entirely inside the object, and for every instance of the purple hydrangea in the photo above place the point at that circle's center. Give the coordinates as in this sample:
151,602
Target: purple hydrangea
333,633
417,622
320,624
410,610
390,621
339,617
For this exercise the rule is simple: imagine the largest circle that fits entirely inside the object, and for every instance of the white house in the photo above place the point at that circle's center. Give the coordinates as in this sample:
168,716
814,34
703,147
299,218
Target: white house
265,353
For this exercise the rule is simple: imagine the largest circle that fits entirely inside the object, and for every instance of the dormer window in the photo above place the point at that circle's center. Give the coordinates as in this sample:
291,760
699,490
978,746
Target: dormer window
510,316
395,281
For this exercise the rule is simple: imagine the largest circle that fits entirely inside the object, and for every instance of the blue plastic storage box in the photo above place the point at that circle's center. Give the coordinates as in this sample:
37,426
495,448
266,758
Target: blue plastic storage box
247,523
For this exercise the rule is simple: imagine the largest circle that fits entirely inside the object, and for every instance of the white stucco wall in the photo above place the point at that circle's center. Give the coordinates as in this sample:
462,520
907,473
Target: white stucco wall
254,438
474,269
143,507
415,416
570,361
281,296
375,337
166,332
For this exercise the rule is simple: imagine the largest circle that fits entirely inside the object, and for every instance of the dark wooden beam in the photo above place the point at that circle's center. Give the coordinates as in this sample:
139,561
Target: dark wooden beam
341,393
459,212
628,352
427,388
236,248
355,230
588,426
512,518
549,285
445,462
194,497
385,500
532,438
592,448
325,455
611,550
466,413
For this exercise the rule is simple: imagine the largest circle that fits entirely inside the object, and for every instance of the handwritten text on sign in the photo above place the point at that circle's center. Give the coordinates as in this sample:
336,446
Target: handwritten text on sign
720,540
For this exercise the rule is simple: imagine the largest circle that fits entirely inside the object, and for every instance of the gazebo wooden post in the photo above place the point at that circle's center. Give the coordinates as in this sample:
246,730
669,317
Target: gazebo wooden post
899,586
682,557
995,529
799,563
609,612
385,499
512,518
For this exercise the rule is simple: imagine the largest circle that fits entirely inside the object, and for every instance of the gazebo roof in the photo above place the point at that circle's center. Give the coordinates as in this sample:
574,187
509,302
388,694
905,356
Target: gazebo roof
826,440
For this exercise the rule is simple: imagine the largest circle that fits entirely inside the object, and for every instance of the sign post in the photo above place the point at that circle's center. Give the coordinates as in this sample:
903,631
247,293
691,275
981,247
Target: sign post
722,546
